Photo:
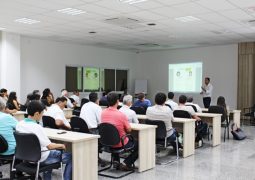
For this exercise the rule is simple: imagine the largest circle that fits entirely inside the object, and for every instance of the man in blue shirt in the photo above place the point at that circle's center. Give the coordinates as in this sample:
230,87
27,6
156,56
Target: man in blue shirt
7,126
142,102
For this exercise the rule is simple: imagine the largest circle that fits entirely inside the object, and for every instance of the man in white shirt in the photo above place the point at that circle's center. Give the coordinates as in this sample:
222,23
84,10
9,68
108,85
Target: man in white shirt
91,112
127,103
182,106
56,111
190,102
171,102
69,104
76,97
29,125
207,92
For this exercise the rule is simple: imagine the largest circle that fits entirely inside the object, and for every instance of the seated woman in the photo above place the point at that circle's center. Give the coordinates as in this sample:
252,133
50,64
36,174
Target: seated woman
221,102
12,102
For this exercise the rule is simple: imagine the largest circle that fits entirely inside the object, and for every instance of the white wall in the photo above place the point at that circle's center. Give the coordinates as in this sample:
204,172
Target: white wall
10,62
43,63
220,63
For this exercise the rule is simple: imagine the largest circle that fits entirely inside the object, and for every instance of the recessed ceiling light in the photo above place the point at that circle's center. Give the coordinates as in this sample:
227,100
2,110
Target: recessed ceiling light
151,24
92,32
132,1
27,21
71,11
187,19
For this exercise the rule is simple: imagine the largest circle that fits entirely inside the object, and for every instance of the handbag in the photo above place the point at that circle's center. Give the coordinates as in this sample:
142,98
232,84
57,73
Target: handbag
238,133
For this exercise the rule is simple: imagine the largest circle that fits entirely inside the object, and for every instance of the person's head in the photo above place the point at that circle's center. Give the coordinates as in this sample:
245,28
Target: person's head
35,110
182,99
207,80
76,92
64,92
170,95
61,102
113,99
190,99
93,97
48,96
141,96
12,96
160,98
2,106
221,101
34,97
3,92
36,92
127,100
46,93
29,97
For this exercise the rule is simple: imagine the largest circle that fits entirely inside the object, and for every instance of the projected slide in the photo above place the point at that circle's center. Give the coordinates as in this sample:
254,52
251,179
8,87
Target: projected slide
185,77
91,79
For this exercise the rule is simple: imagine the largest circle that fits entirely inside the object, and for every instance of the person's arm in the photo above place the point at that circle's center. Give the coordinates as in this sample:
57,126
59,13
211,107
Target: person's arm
16,104
7,110
61,121
56,146
134,119
98,115
126,124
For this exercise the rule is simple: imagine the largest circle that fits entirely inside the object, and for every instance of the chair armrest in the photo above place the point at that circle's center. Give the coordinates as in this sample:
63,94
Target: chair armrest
129,136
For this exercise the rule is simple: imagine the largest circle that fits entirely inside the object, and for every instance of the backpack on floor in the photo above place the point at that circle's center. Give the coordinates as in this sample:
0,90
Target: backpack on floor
238,133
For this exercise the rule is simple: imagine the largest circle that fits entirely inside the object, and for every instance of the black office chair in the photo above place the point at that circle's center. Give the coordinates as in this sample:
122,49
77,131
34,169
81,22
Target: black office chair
5,159
224,118
49,122
182,114
28,149
79,125
161,138
84,101
103,103
109,137
193,106
169,106
138,110
76,112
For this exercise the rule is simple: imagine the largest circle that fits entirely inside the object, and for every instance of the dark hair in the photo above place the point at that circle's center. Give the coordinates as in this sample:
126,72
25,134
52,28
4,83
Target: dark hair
45,102
112,99
170,95
46,93
160,98
61,99
207,78
34,106
182,99
12,96
36,91
190,99
3,90
140,96
221,102
93,97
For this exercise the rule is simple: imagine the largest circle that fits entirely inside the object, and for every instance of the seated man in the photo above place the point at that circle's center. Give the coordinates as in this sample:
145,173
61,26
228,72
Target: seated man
29,125
127,103
163,113
56,111
190,102
7,125
76,97
91,113
69,104
171,102
113,116
142,102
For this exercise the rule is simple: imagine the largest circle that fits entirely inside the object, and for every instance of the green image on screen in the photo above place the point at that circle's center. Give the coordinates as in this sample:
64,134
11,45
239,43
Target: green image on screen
91,79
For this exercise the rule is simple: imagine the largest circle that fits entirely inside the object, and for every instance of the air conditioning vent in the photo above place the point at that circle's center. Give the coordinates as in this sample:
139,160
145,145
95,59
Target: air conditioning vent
125,22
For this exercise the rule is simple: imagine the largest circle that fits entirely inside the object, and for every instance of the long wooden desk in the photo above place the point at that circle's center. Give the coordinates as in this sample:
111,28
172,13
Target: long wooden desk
187,127
146,145
84,152
215,121
19,115
233,114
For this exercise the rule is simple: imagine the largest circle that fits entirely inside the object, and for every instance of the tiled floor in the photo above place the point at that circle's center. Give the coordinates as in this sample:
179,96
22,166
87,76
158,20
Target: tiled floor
232,160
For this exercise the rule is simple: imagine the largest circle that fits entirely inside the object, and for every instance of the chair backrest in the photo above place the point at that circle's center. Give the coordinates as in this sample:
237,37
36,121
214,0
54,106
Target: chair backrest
193,106
79,125
49,122
84,101
72,100
138,109
182,114
28,147
161,128
109,135
218,110
76,112
169,106
3,144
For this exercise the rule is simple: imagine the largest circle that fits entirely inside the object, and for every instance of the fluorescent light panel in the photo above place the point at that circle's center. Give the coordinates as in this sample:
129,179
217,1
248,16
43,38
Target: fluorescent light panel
132,1
187,19
2,28
71,11
27,21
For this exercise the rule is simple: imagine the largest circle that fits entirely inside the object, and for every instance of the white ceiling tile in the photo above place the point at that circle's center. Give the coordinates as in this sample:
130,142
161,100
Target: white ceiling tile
236,15
214,4
242,3
191,8
117,5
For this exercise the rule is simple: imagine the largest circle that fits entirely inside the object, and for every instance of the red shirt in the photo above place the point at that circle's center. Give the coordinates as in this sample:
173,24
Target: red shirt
118,119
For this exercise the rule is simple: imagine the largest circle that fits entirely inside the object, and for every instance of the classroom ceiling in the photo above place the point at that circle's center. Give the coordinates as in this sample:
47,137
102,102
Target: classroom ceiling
145,26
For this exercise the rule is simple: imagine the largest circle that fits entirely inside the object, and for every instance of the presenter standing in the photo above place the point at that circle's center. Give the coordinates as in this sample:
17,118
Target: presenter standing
207,92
